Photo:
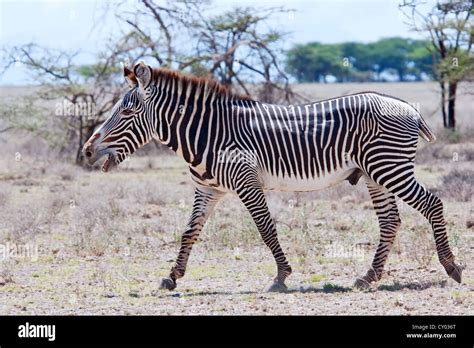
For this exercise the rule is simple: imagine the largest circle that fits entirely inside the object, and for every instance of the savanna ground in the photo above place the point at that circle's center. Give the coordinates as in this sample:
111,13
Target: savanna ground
100,243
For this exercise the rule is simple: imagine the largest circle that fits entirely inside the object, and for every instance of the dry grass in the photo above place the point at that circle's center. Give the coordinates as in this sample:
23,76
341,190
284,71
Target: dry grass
458,185
108,238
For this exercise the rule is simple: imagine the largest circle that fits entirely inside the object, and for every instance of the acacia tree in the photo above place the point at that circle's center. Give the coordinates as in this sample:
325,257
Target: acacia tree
182,35
450,28
73,99
232,47
154,28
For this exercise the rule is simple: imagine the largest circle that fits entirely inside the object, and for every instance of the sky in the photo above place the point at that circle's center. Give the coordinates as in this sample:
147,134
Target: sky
79,25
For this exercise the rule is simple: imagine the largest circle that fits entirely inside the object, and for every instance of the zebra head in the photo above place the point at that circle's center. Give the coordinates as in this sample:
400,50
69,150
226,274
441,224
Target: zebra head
128,127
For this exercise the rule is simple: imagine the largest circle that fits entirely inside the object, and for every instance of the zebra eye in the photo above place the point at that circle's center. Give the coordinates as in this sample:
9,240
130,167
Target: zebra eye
127,112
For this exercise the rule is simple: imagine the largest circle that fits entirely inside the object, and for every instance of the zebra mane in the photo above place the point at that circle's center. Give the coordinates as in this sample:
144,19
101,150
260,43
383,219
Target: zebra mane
212,85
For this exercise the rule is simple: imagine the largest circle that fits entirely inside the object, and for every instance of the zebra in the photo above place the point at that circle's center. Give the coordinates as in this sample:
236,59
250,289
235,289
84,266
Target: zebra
286,148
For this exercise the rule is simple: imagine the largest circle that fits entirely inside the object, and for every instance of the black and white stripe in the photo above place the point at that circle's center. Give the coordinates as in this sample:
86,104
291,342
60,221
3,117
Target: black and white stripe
235,144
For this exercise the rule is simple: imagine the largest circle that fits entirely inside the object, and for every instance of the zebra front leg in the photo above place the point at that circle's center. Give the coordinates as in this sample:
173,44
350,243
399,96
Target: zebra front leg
385,207
205,200
254,200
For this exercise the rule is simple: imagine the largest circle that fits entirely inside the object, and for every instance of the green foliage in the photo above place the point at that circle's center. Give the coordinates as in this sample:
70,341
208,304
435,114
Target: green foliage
199,69
353,61
92,70
456,66
28,116
422,60
315,278
313,61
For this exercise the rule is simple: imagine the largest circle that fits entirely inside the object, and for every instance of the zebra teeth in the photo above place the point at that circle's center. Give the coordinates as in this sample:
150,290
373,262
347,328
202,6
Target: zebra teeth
108,163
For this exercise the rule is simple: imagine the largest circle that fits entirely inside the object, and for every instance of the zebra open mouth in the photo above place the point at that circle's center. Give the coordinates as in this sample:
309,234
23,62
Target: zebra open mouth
109,163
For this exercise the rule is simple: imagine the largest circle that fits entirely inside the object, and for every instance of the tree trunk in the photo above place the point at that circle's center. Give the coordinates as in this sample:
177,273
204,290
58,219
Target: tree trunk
452,105
86,132
79,146
401,76
443,103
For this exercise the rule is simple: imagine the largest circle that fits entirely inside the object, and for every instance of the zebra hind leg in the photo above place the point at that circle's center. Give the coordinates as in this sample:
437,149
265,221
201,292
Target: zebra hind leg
385,207
431,207
205,200
254,200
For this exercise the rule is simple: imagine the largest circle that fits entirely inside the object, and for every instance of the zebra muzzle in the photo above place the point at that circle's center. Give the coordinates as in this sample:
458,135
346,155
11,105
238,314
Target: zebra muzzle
93,156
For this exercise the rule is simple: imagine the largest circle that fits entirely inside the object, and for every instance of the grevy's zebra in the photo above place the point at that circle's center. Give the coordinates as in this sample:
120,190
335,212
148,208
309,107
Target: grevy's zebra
235,144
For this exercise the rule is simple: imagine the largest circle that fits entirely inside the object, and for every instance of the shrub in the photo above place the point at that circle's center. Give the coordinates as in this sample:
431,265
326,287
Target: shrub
458,185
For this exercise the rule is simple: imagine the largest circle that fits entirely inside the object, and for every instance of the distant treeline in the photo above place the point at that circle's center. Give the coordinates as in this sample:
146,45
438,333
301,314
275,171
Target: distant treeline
387,59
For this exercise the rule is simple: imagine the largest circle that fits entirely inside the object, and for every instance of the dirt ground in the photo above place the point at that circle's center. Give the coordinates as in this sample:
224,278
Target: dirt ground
77,241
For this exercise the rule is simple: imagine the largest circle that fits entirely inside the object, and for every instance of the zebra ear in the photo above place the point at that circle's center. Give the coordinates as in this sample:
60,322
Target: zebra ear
129,76
143,74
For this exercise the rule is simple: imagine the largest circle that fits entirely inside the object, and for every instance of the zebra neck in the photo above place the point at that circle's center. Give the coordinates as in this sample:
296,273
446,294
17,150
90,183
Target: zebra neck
189,118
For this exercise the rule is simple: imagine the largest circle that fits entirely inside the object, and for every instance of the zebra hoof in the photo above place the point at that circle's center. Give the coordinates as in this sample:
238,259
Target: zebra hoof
277,287
168,283
455,271
361,284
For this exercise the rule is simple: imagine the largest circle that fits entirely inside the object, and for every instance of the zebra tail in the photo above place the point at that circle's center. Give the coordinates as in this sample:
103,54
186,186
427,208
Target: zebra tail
425,131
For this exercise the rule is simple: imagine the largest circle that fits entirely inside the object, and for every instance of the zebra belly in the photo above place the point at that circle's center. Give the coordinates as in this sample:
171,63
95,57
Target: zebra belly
272,182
